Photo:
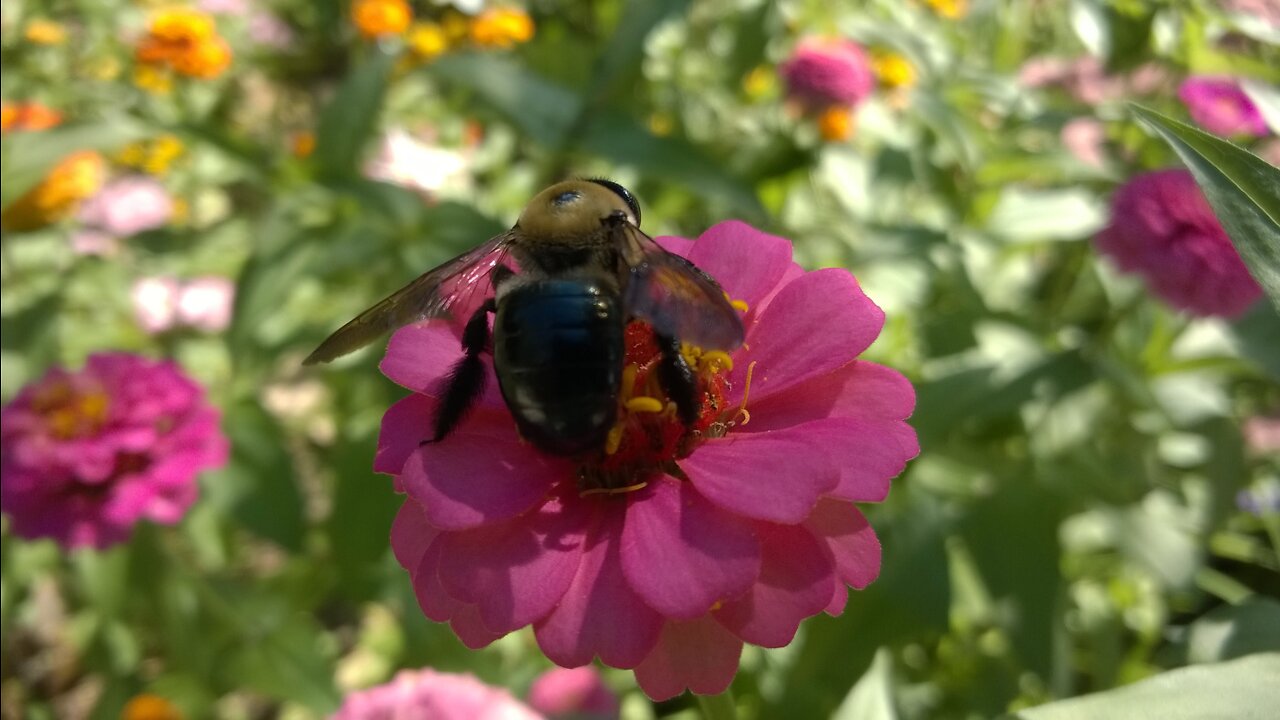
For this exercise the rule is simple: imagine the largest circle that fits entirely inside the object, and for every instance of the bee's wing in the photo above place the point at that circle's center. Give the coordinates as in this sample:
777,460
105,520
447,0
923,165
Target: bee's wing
450,287
675,297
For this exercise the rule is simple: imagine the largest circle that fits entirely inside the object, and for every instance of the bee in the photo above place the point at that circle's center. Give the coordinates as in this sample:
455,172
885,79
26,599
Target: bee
562,285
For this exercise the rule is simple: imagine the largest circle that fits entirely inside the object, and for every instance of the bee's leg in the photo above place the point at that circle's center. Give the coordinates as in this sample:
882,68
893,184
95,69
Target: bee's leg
678,378
465,383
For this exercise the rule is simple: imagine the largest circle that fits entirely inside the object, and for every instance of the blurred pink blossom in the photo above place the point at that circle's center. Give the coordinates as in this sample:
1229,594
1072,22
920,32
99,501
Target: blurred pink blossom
1262,434
578,693
825,72
1084,138
1270,151
403,160
94,242
162,303
85,455
127,206
432,695
270,31
1218,105
224,7
1163,229
1267,11
1085,78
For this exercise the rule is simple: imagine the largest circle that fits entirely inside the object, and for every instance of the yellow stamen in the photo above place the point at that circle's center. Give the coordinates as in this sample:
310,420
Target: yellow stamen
613,440
746,393
740,305
628,381
644,405
614,491
716,356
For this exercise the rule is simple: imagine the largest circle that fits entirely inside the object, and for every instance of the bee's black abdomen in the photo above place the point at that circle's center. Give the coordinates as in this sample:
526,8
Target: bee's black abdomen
558,351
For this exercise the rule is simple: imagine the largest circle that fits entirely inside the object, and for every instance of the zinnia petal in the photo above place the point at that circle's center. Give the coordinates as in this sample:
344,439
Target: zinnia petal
852,542
404,426
681,554
419,358
747,263
700,655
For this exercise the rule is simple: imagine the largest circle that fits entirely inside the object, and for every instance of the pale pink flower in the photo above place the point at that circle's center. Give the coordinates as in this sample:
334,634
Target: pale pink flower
1262,434
734,533
432,695
127,206
224,7
270,31
573,693
88,454
161,304
1163,229
404,160
155,303
1085,138
823,72
94,242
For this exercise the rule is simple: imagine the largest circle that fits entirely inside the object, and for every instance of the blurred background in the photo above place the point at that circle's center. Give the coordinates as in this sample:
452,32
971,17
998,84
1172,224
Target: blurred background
224,182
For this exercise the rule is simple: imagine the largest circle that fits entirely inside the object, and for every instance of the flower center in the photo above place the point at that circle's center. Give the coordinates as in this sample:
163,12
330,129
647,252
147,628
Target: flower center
649,436
71,412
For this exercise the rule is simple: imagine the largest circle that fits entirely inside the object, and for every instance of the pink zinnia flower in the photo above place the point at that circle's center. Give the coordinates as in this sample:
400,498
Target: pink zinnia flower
573,693
1218,105
88,454
429,694
732,533
822,73
1163,229
128,206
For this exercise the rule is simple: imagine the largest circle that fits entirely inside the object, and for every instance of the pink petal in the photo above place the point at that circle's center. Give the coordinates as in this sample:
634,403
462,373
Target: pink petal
700,655
775,475
746,262
411,535
839,599
859,389
675,245
796,582
516,572
816,324
681,554
471,630
869,456
852,542
404,425
589,621
436,604
419,357
481,474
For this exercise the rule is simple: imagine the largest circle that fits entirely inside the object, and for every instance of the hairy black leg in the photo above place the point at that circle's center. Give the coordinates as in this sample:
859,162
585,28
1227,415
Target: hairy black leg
465,382
679,379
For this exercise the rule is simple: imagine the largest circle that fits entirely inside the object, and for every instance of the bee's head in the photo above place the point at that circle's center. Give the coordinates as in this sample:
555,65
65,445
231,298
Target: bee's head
577,206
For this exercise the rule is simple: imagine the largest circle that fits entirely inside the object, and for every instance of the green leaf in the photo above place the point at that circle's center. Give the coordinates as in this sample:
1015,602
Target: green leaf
542,109
1233,631
872,697
1243,689
350,117
1242,188
28,156
261,477
620,63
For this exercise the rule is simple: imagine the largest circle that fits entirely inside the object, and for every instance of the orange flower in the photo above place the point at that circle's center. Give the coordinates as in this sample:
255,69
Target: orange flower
28,116
427,40
303,143
73,179
836,123
185,40
150,707
501,27
378,18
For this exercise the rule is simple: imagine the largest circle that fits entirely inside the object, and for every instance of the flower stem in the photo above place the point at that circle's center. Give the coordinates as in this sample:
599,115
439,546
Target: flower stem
718,707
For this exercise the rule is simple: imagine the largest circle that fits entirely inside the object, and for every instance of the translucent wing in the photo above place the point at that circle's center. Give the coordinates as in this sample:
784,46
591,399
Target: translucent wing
675,297
455,288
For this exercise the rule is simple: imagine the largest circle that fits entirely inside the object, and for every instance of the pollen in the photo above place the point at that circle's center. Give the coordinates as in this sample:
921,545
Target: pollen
645,405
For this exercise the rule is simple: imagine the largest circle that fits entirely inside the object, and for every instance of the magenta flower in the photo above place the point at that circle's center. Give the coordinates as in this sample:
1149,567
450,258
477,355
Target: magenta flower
822,73
1218,105
1163,229
88,454
429,694
573,693
128,206
734,532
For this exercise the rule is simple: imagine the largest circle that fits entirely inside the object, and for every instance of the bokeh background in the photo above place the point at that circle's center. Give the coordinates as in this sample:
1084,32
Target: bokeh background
225,182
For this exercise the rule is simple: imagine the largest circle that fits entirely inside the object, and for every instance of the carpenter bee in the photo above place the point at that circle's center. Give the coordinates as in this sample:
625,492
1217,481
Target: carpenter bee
562,284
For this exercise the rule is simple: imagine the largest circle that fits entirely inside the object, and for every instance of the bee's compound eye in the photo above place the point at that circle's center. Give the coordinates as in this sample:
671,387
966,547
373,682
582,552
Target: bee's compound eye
566,197
623,193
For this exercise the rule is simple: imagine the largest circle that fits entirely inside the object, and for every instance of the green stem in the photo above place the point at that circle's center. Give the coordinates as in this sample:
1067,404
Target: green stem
718,707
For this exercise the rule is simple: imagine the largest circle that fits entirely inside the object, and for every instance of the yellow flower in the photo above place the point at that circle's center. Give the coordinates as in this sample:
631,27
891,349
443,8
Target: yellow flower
154,157
661,124
106,67
759,82
45,32
378,18
185,40
501,28
427,40
181,26
951,9
836,123
893,70
150,707
457,27
73,179
155,79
